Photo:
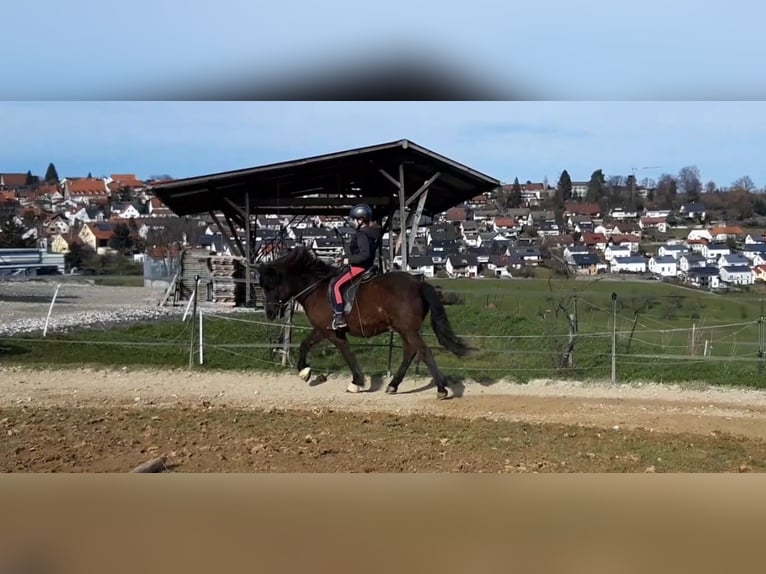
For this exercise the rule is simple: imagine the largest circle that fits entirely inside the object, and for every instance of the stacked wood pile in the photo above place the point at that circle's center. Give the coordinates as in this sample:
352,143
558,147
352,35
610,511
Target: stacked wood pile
225,279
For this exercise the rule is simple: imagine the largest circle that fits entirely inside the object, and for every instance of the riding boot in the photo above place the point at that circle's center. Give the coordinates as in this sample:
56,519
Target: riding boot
339,318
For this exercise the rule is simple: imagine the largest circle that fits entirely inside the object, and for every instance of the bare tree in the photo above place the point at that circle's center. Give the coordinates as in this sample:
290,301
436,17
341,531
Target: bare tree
744,183
689,182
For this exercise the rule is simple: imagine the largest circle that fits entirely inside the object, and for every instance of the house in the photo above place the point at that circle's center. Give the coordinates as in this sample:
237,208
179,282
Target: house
462,266
626,228
674,251
330,248
664,266
613,251
737,275
579,189
759,272
712,251
214,243
658,223
594,240
578,249
125,211
629,264
693,210
587,210
733,260
691,261
57,223
752,250
587,264
696,245
580,223
620,214
724,233
498,265
751,239
697,234
630,241
85,190
529,255
421,264
455,214
704,277
97,236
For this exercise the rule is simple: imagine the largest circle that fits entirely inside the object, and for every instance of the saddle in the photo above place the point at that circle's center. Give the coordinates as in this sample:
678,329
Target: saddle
348,291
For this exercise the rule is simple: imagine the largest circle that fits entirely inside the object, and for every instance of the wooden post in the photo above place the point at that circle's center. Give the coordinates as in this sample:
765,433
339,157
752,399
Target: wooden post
193,318
402,217
287,334
248,249
153,465
614,338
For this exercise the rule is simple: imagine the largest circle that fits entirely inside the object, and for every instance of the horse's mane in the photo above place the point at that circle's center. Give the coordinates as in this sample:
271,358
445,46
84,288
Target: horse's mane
301,259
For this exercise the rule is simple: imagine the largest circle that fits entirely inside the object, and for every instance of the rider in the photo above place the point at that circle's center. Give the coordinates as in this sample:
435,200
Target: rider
360,256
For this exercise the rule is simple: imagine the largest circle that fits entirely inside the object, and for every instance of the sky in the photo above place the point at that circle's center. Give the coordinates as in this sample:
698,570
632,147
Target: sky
528,140
591,49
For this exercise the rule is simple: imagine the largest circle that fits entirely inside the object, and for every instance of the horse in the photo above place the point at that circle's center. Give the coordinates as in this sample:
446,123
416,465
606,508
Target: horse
391,301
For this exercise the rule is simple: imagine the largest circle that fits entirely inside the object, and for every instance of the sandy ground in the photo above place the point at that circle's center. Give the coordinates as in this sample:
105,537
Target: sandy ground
658,408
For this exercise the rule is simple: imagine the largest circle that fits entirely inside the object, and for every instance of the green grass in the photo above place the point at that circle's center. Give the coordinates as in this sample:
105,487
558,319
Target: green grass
518,328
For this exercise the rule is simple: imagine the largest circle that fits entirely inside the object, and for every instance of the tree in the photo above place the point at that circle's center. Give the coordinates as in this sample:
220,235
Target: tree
122,239
51,175
564,188
710,187
12,234
596,186
666,192
514,197
690,183
31,179
744,183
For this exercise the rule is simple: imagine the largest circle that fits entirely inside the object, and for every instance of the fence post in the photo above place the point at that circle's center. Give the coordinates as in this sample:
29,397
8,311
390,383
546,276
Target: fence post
201,339
50,309
192,319
614,337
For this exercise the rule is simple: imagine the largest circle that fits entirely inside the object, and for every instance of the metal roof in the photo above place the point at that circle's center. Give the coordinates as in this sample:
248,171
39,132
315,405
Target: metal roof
330,184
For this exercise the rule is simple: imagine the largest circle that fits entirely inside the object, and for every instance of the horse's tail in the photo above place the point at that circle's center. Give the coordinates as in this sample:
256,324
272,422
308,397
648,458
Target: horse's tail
440,323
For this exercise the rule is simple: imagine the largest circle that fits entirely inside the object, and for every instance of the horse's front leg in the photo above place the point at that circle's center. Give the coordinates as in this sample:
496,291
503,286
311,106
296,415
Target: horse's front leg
304,370
340,341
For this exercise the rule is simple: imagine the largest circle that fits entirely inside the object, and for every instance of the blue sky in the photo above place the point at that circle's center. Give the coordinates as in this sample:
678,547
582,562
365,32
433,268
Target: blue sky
591,49
528,140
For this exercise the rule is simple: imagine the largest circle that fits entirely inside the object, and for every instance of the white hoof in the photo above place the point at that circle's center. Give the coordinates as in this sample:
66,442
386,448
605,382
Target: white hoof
352,388
305,374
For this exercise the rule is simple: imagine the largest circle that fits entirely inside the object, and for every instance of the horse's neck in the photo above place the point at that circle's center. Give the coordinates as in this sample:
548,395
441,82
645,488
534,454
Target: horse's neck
305,285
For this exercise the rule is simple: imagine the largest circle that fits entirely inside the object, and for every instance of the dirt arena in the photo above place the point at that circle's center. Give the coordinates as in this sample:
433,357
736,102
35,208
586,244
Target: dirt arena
91,420
96,420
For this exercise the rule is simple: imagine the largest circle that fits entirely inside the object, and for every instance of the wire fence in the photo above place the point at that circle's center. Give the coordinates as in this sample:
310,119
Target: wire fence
584,337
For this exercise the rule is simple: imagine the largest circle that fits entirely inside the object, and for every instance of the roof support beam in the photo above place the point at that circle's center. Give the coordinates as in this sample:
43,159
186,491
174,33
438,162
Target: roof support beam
226,237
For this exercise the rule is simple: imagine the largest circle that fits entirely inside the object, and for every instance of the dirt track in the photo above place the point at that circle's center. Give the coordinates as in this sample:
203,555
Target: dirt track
156,411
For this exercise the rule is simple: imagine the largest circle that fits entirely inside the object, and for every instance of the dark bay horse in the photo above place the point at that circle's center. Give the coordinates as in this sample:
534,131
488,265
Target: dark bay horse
394,300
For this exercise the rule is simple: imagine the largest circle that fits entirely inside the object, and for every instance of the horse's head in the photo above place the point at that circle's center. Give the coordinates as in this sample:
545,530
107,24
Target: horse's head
293,274
276,290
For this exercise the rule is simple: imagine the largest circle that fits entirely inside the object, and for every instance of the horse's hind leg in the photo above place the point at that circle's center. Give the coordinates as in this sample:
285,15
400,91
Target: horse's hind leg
428,358
408,353
304,371
340,341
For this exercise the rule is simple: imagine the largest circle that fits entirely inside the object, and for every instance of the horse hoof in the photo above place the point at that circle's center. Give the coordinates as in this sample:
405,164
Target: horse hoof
442,394
391,390
352,388
305,374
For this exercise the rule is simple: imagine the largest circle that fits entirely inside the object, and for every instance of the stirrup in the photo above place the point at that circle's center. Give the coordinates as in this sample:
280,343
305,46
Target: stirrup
338,322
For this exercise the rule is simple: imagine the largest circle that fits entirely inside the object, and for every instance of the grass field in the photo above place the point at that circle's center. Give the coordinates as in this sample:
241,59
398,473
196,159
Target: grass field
519,329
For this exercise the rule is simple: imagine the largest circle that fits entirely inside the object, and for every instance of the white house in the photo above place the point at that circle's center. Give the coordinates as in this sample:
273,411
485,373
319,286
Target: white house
674,251
695,234
737,275
571,250
613,251
751,239
752,250
620,213
712,251
462,266
631,264
704,277
421,264
733,260
691,261
664,266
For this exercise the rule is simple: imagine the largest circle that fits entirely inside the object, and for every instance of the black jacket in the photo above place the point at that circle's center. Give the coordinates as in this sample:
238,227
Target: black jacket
361,249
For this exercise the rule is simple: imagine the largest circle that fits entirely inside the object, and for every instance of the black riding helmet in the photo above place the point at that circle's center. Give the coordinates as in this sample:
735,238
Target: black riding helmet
361,211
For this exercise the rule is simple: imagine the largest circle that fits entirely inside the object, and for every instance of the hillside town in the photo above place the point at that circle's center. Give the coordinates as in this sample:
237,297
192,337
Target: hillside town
709,239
